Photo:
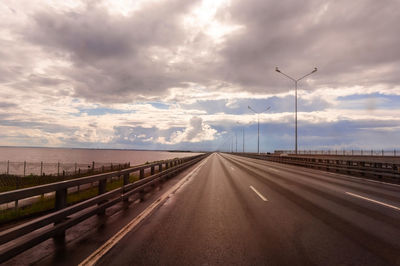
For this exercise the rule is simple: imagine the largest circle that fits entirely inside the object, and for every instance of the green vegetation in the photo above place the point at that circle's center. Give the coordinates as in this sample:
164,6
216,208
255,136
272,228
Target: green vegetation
12,182
44,204
82,195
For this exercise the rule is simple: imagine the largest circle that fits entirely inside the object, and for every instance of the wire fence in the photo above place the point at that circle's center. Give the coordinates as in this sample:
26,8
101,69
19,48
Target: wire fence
57,169
16,175
393,153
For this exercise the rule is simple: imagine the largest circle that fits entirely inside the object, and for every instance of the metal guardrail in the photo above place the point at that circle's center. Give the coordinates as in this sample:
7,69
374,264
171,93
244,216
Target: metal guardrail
25,236
376,169
353,152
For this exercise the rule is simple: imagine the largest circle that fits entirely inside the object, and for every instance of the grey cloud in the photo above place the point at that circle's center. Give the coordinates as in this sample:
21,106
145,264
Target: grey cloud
112,55
43,126
7,105
348,40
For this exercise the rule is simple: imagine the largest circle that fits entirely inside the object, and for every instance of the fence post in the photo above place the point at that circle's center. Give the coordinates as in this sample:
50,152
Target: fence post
152,170
382,152
41,168
8,167
24,167
394,152
58,168
93,167
160,167
75,167
372,152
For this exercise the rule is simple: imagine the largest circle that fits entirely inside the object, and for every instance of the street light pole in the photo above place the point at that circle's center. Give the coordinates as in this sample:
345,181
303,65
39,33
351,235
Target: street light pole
258,126
236,140
242,135
258,133
295,100
243,138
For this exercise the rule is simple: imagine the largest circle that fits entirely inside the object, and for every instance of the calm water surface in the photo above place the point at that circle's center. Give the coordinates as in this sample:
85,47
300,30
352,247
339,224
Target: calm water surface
65,155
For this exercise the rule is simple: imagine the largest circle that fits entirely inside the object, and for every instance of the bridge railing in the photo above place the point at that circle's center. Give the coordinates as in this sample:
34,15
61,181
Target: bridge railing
362,166
24,236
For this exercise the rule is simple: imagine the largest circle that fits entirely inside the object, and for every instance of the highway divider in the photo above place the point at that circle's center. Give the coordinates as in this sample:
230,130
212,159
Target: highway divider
27,235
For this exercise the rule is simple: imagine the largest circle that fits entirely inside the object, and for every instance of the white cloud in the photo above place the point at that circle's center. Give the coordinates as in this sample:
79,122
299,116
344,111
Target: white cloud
61,58
196,131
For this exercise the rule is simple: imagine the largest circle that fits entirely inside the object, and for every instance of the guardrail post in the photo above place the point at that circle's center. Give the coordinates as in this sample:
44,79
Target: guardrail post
141,174
102,186
126,182
61,199
102,190
160,167
362,164
61,203
152,170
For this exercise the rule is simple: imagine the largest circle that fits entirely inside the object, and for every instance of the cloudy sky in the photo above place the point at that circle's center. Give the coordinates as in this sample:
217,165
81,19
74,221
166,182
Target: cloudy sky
179,74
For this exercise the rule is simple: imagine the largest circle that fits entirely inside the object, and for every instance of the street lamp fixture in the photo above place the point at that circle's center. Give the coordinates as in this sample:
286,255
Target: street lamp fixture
258,125
295,102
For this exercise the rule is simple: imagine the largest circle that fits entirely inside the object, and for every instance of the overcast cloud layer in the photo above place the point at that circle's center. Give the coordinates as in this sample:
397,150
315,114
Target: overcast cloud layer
178,74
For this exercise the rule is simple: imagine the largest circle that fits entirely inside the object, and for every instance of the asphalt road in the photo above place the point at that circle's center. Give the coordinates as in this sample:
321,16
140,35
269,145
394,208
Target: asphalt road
241,211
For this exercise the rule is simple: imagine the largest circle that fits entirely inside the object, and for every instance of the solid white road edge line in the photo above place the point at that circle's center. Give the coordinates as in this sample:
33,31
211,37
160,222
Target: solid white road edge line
100,252
259,194
375,201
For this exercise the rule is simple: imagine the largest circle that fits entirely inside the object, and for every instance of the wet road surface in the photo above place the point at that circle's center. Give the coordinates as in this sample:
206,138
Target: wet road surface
241,211
232,210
